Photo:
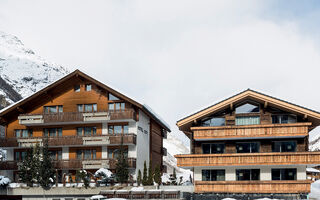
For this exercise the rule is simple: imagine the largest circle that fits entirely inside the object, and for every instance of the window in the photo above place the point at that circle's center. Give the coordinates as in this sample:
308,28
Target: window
116,106
283,119
247,120
215,121
118,129
114,153
52,132
20,155
55,154
86,154
284,174
248,174
88,87
284,146
213,148
86,131
87,107
247,108
53,109
23,133
77,88
112,98
213,175
247,147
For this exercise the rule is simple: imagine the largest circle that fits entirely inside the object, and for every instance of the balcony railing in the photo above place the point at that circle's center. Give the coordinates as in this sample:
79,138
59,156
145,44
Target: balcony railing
74,164
295,186
76,117
128,139
240,159
252,131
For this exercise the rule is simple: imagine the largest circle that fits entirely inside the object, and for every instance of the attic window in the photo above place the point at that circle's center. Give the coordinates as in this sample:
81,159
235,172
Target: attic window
88,87
248,108
77,88
113,98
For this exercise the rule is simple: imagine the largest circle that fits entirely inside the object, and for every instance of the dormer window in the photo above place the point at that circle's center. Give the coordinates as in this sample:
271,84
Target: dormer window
88,87
248,108
113,98
77,88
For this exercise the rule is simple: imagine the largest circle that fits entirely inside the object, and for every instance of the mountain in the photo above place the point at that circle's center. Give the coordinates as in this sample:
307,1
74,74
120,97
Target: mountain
22,72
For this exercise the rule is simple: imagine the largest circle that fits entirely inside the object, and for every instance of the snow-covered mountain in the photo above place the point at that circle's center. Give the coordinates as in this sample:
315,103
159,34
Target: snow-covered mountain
22,72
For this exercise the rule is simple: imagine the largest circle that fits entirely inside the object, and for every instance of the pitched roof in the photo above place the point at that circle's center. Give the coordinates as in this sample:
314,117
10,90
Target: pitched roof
251,94
78,73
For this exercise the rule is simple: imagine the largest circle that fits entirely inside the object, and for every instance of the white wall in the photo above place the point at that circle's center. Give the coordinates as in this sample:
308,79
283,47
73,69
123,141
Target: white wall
265,171
104,128
10,154
65,153
143,150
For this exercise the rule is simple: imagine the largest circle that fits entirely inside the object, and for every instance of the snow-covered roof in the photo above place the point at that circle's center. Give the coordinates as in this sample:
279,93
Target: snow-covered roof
313,170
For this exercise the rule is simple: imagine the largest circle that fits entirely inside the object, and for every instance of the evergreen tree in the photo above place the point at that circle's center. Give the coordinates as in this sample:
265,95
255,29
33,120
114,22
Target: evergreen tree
84,177
122,172
173,177
145,175
36,165
25,169
139,178
47,171
150,174
157,175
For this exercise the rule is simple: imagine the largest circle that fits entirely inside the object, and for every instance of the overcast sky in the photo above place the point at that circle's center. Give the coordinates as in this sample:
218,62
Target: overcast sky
179,56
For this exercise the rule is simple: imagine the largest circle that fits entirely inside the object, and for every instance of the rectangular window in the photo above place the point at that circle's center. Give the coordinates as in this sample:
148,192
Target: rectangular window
284,174
248,147
118,129
52,132
283,119
213,148
247,120
79,131
116,106
248,174
88,87
111,106
114,153
125,129
87,107
284,146
215,121
122,106
53,109
80,107
77,88
23,133
86,131
55,154
213,175
86,154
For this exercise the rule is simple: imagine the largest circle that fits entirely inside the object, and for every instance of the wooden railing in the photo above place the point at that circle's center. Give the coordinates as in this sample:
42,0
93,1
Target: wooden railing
73,140
67,117
295,186
266,130
238,159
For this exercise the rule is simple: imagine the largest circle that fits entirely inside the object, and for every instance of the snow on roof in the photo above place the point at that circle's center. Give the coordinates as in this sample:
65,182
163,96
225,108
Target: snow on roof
97,197
310,169
156,116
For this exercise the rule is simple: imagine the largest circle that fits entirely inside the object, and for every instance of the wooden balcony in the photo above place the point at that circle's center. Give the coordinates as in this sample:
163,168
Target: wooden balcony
76,117
128,139
242,159
296,186
252,131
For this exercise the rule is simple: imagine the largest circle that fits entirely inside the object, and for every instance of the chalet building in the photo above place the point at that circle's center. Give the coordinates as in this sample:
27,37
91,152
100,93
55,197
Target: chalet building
250,143
84,121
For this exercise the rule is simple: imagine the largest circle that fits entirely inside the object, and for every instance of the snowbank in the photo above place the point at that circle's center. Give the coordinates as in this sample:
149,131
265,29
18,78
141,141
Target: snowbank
107,172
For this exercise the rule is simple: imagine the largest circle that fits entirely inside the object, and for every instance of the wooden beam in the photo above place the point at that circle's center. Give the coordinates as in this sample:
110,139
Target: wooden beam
231,106
305,116
265,104
20,109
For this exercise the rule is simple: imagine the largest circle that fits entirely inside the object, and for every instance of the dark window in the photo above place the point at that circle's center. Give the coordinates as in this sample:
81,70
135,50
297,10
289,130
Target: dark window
86,131
213,175
113,98
248,174
215,121
86,154
284,174
77,88
247,108
23,133
53,109
284,146
283,119
114,153
213,148
52,132
55,154
248,147
88,87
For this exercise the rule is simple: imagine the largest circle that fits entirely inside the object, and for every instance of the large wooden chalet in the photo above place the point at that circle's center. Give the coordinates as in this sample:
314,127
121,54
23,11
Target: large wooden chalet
84,121
250,143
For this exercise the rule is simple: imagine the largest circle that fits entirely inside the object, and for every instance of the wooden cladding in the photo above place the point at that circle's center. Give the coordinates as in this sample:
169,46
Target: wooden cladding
71,140
267,130
295,186
241,159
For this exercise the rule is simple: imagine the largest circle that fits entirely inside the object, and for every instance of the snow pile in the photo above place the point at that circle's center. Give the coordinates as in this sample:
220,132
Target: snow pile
105,172
312,170
4,181
137,189
23,70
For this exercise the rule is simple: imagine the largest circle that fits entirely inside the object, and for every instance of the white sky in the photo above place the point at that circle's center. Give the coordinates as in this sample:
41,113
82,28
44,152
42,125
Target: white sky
178,56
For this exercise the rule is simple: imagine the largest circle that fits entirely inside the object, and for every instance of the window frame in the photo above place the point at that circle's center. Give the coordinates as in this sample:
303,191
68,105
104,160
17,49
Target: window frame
88,87
94,107
259,147
211,144
93,154
281,174
59,109
211,174
250,174
93,130
21,133
76,88
111,127
57,133
273,145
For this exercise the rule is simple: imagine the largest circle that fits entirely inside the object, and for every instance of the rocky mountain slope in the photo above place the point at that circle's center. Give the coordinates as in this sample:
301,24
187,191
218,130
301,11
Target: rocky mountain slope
22,72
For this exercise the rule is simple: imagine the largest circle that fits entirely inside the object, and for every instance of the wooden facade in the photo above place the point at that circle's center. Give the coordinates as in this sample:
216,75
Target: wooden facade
77,113
249,132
